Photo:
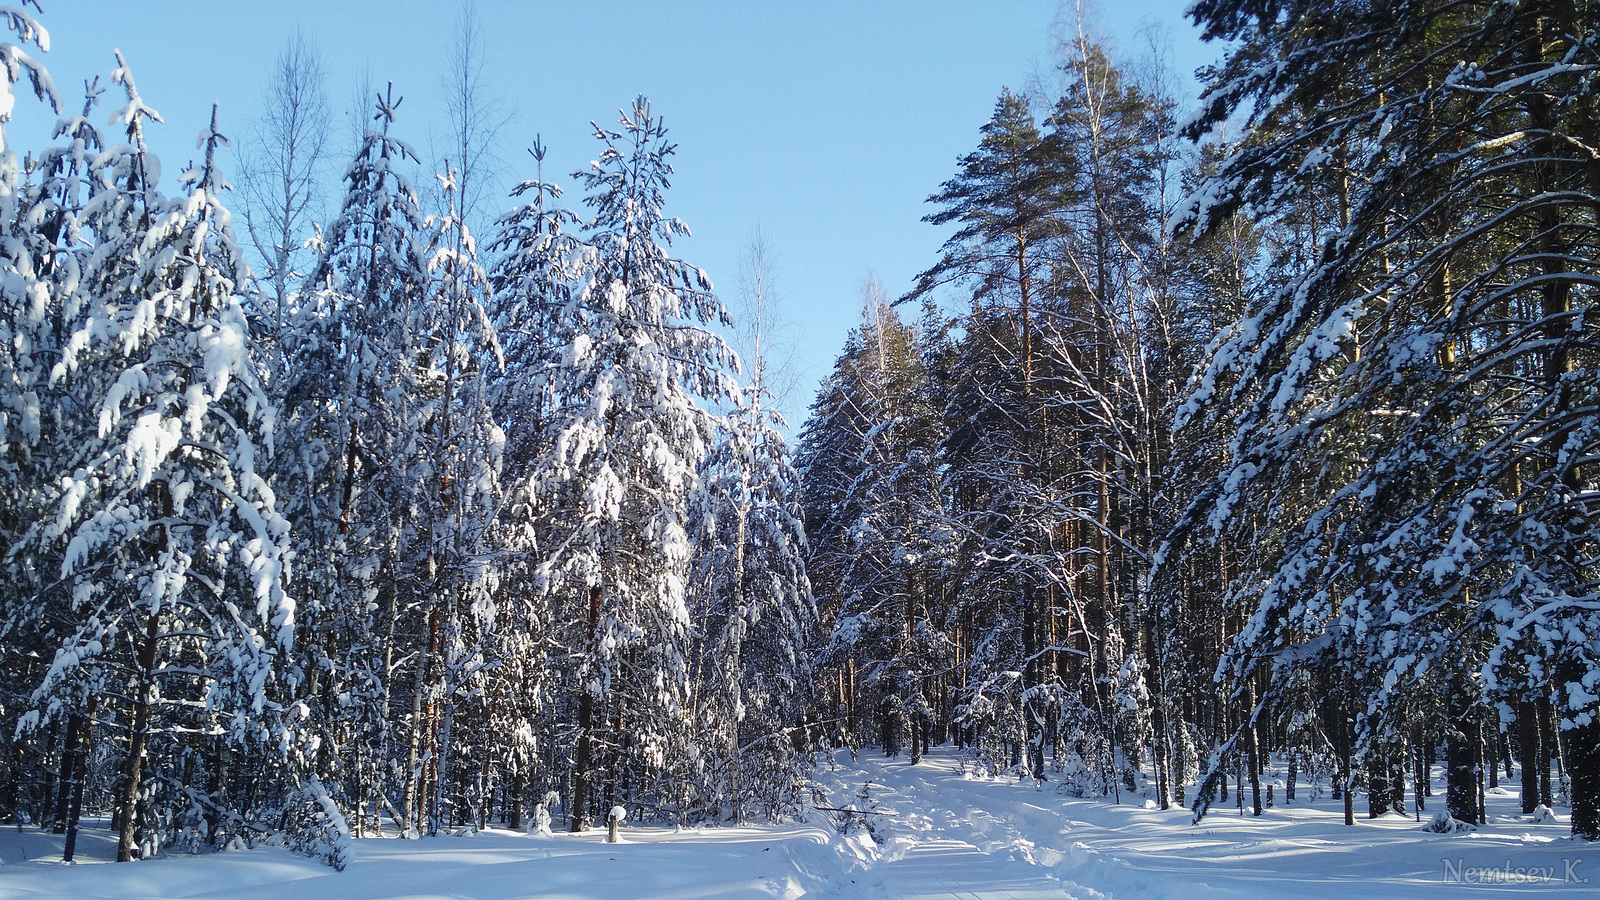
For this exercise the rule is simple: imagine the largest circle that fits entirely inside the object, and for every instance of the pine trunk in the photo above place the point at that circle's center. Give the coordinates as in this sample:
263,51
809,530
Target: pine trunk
1252,747
138,739
1461,769
69,774
1547,750
79,778
583,755
1528,753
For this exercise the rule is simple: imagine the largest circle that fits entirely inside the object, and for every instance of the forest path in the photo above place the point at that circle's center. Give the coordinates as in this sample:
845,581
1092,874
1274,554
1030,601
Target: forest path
1104,848
945,834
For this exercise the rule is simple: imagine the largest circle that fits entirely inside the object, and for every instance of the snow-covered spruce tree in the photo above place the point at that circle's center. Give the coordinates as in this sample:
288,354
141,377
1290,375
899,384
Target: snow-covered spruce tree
750,599
462,447
350,479
537,273
39,265
627,436
1413,419
173,549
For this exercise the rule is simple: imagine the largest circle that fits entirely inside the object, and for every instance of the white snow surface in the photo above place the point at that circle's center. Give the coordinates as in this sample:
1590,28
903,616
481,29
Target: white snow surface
949,835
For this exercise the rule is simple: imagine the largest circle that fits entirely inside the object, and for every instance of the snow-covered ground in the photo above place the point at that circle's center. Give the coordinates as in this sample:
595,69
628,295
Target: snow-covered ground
947,835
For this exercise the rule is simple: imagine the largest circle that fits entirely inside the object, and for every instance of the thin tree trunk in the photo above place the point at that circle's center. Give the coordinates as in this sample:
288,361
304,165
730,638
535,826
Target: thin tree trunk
68,769
1547,733
1252,749
519,780
582,756
79,778
138,738
413,770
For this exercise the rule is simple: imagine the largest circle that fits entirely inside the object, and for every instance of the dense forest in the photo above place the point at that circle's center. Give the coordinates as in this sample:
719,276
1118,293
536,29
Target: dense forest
1265,439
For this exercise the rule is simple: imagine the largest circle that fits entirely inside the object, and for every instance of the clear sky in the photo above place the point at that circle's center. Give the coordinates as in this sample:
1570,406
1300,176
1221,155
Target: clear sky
825,123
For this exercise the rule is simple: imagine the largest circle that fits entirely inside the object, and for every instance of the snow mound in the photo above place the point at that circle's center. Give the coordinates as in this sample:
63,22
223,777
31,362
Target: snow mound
1444,823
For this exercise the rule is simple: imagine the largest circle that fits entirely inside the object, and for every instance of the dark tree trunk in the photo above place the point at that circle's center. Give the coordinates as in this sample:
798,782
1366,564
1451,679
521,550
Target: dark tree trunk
1479,764
80,775
1239,778
1345,789
1547,749
1420,778
1528,753
69,773
1583,768
55,780
514,798
581,760
138,739
1379,790
583,755
1461,767
1252,748
1397,781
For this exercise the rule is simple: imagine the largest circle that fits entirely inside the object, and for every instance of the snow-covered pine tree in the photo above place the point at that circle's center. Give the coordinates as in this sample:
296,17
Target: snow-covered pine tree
462,446
627,433
1008,196
1006,572
1107,344
351,479
538,270
172,547
1413,419
39,267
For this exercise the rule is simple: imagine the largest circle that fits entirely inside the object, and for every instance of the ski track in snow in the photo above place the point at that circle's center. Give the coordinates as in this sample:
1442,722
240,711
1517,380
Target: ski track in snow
948,836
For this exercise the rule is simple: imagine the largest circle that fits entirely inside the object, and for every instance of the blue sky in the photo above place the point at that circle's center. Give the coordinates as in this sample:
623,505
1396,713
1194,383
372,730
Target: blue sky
825,123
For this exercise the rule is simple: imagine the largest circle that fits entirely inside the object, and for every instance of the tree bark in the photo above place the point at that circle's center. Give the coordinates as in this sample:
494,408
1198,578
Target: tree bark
69,772
1461,763
1528,741
514,799
80,776
583,754
138,739
1547,733
1252,747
